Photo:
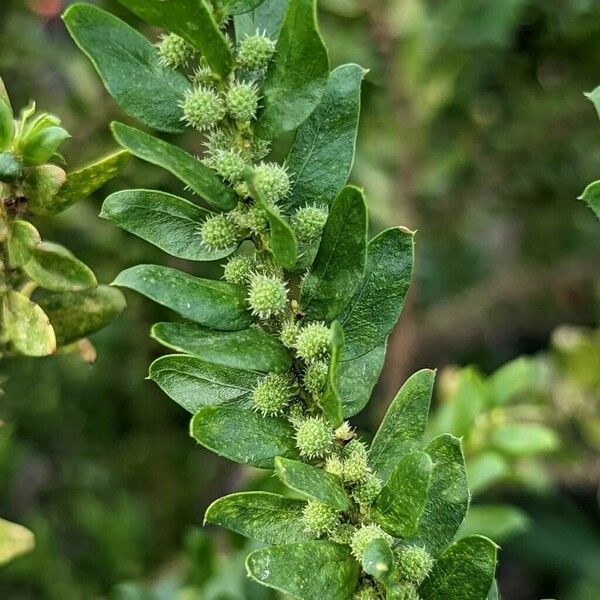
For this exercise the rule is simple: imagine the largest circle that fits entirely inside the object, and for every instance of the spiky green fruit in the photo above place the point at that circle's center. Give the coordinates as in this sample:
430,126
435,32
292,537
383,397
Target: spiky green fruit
367,490
229,164
174,51
255,51
272,181
366,591
203,108
313,342
238,270
343,533
267,296
319,518
364,536
289,333
308,223
218,232
335,466
241,101
315,378
356,465
314,437
414,564
273,393
404,592
252,218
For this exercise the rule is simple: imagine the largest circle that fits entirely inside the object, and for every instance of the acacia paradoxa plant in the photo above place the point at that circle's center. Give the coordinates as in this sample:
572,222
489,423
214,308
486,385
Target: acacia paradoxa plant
71,304
274,359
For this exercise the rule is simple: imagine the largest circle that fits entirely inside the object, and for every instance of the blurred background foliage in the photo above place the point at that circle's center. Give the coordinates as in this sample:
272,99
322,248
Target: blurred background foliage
475,132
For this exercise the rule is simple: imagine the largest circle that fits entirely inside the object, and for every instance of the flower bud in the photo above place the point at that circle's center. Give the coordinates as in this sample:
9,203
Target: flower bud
202,108
308,223
242,101
319,518
314,437
174,51
218,232
315,378
267,296
364,536
414,564
42,142
255,51
238,270
272,181
313,342
272,394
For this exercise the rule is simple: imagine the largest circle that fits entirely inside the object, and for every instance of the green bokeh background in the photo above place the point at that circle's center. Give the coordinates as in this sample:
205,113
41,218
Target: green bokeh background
475,132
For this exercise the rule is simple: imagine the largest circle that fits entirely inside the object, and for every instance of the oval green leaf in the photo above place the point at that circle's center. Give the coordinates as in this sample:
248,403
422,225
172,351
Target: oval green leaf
244,436
211,303
130,67
378,560
266,517
193,383
250,349
198,177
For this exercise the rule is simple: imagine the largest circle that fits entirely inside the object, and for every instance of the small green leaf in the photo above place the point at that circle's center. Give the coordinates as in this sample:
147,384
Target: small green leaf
7,125
400,504
4,94
296,78
591,194
306,569
283,241
193,21
201,180
15,540
448,497
238,7
194,383
404,423
212,303
465,571
378,560
130,67
244,436
266,18
26,325
357,378
594,97
75,315
312,482
41,187
322,154
370,316
340,262
524,439
167,221
41,146
331,402
496,521
262,516
81,183
22,238
250,349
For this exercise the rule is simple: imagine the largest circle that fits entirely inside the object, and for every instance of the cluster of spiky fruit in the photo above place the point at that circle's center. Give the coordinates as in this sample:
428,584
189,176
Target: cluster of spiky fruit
225,112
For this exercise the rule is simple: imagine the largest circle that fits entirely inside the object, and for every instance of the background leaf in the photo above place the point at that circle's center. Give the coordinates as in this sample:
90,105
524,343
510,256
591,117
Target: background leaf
14,541
404,423
262,516
194,383
75,315
591,196
129,66
313,482
465,571
250,349
291,568
340,261
297,76
267,17
244,436
212,303
167,221
198,177
321,157
193,21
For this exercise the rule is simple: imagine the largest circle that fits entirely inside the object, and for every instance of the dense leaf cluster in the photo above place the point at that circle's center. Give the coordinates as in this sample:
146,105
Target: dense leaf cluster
273,360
